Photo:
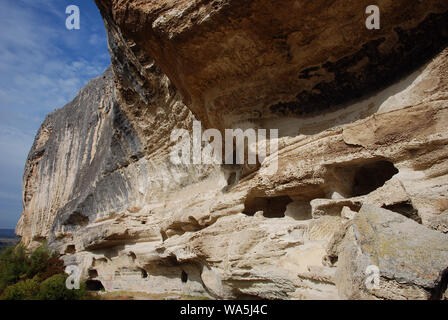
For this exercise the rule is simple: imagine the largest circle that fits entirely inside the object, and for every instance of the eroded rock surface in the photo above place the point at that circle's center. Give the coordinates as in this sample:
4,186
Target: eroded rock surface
412,260
362,119
254,60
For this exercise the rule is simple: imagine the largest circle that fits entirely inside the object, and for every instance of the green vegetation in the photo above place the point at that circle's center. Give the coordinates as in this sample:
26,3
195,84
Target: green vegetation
37,275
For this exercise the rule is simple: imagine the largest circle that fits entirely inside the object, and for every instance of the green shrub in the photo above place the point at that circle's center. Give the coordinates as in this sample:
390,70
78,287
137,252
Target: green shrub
36,275
22,290
53,266
13,266
54,288
38,260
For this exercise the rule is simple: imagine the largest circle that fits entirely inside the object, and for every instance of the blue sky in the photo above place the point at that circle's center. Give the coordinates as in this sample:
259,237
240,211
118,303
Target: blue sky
42,67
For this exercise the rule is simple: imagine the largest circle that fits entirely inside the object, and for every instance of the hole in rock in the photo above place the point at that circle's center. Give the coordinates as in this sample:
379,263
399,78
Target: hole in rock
440,292
132,255
332,259
93,273
170,261
70,249
144,273
272,207
372,176
405,208
94,285
184,276
39,238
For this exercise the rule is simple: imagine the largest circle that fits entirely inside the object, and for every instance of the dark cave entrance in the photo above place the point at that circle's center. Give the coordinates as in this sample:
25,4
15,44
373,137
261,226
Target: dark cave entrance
70,249
274,207
94,285
406,209
372,176
184,277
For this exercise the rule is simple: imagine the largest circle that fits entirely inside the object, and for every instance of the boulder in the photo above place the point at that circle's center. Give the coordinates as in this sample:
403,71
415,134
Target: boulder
412,259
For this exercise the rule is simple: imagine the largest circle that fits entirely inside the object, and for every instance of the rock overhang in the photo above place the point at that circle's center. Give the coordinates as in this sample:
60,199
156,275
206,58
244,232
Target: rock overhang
236,61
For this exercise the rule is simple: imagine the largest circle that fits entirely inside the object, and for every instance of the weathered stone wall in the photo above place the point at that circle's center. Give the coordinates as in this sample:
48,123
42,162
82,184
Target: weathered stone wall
362,118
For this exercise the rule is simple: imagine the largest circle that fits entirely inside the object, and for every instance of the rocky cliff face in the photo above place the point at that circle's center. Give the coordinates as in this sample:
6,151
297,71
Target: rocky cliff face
362,165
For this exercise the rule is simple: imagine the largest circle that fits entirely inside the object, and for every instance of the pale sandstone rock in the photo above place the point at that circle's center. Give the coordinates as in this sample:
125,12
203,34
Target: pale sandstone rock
347,213
236,61
412,259
439,222
100,188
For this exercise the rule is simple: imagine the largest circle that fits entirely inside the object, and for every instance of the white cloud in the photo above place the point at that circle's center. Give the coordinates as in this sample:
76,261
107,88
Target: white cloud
31,54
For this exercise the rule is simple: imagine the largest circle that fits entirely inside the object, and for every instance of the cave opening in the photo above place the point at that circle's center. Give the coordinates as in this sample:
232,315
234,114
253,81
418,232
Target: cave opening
94,285
184,277
144,273
93,273
406,209
274,207
70,249
441,290
372,176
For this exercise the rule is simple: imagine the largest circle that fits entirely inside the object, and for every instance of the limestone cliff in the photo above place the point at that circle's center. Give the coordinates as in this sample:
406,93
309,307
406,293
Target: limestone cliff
362,175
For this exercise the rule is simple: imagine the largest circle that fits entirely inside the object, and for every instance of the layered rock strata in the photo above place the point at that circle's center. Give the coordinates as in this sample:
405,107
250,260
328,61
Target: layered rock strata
359,180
